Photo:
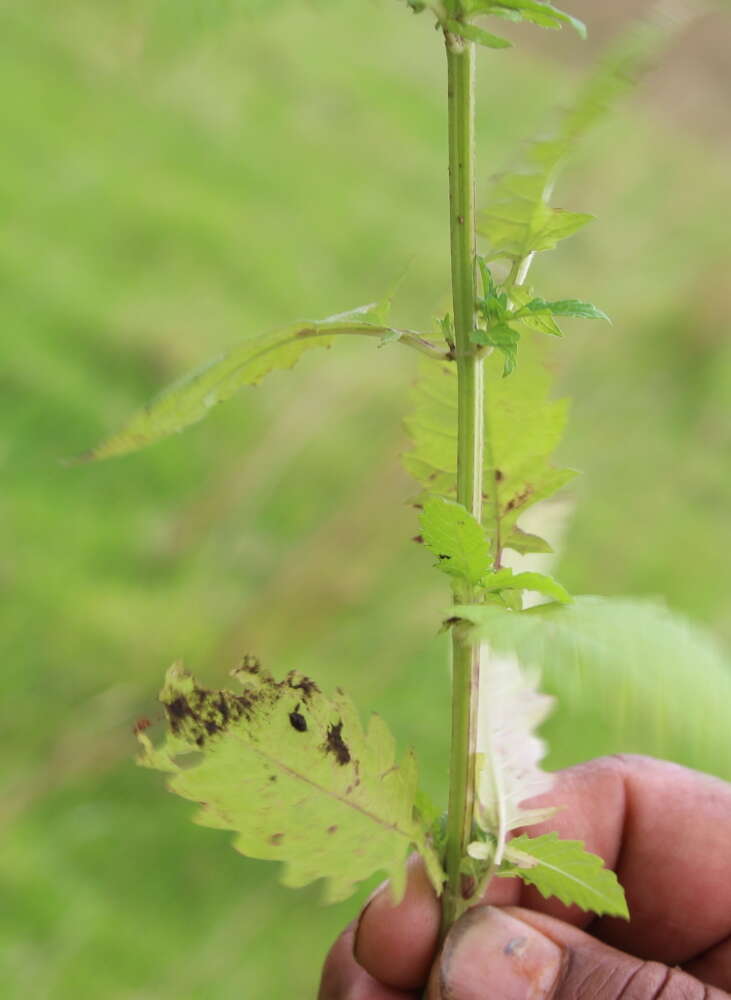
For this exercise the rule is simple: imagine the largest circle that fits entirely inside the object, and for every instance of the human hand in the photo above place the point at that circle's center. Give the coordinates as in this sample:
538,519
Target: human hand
665,830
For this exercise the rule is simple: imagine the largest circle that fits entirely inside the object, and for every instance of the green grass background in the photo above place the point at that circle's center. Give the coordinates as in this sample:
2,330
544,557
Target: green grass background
175,176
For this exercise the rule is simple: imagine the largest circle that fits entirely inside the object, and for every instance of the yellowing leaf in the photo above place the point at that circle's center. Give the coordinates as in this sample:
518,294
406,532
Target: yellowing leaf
295,775
522,429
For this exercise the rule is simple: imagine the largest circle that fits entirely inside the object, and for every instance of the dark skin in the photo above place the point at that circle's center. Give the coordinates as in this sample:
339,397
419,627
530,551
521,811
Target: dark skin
665,830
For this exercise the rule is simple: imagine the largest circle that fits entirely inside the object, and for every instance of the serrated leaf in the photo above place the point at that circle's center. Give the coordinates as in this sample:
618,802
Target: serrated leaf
518,228
522,429
192,398
510,710
456,539
539,322
505,579
564,869
518,203
477,34
629,673
294,773
543,14
564,307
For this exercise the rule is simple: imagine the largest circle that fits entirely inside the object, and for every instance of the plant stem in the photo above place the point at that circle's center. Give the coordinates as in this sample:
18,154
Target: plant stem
465,654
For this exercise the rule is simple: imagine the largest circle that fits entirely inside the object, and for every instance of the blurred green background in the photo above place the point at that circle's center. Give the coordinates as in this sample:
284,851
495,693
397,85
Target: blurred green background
174,176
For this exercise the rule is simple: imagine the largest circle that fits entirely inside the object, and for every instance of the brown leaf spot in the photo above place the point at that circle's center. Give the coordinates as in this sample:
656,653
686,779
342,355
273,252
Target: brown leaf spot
335,744
519,499
276,839
141,725
332,829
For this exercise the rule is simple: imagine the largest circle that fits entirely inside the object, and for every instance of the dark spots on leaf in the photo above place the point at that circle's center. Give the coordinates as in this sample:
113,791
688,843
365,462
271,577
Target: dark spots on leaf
200,740
307,332
298,682
419,539
454,620
499,476
272,778
211,727
178,709
141,725
519,499
332,829
298,722
335,744
250,664
442,557
276,839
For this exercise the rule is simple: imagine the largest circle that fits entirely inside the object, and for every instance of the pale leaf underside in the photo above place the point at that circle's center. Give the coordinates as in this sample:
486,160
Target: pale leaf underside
295,775
510,711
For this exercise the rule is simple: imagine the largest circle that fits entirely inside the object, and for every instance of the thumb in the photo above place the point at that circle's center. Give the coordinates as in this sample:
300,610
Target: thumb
514,954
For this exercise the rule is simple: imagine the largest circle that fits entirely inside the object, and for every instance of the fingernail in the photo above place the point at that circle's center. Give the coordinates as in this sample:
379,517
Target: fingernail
490,954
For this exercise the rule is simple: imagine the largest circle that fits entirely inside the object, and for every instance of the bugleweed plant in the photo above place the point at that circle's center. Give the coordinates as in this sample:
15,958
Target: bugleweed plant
291,768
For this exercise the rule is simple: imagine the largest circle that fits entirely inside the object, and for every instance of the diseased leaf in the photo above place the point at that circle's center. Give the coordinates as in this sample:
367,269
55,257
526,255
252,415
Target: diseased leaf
522,429
564,869
456,539
191,398
631,674
479,35
295,775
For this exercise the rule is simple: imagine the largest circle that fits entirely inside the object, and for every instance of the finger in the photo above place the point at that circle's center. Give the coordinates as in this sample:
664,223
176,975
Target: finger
396,944
344,979
714,966
514,953
656,823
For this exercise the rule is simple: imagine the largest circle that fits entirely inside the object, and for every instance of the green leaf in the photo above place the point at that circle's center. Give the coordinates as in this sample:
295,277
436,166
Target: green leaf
505,339
543,14
564,869
564,307
538,322
519,227
194,396
456,539
475,34
505,579
525,543
295,775
522,429
629,675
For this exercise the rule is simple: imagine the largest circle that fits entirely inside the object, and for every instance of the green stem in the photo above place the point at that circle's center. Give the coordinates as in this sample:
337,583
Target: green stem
465,654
